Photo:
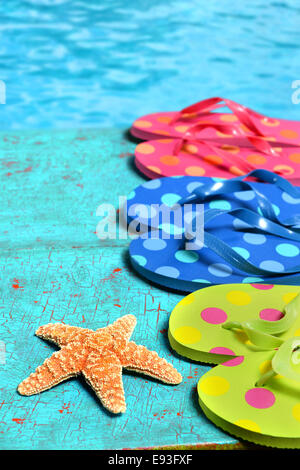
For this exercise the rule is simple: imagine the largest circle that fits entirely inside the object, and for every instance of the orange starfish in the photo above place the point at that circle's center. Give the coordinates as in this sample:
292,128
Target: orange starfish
100,356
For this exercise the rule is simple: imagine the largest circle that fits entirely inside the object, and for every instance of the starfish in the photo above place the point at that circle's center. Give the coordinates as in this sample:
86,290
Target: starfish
100,356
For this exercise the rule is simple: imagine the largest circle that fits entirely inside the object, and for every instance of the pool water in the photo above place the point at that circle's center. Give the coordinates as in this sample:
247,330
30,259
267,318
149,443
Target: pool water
102,63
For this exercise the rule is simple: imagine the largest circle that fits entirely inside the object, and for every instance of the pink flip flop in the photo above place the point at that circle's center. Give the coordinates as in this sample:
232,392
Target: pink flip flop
245,121
195,157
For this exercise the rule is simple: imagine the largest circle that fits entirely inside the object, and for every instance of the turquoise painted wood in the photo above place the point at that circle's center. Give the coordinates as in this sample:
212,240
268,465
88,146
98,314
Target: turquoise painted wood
53,268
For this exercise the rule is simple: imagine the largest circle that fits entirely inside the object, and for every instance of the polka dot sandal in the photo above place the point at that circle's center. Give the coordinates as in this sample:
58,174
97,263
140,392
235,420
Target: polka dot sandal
250,231
255,394
195,157
241,121
266,415
196,325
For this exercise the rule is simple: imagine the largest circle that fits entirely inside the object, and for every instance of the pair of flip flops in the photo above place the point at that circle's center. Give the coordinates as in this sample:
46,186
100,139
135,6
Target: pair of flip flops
253,333
200,142
250,231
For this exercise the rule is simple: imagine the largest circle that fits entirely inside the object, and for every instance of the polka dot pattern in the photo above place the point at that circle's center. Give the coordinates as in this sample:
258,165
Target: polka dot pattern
145,149
255,238
143,124
272,265
270,122
234,362
289,199
228,390
289,133
168,271
256,159
228,118
154,244
237,297
191,148
131,195
141,260
213,159
295,157
296,411
171,229
164,119
214,386
260,398
192,186
187,335
223,351
248,424
168,161
169,199
242,251
220,270
195,171
283,170
220,204
265,366
263,286
275,208
270,314
189,299
154,169
186,256
152,184
287,249
248,280
200,265
289,297
245,195
213,315
240,225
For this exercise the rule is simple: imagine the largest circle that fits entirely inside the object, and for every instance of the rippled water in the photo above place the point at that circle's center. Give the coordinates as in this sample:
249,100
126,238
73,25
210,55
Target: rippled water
71,63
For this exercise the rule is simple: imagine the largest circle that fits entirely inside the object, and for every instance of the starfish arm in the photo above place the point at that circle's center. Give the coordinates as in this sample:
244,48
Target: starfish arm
123,327
59,333
104,375
140,359
63,364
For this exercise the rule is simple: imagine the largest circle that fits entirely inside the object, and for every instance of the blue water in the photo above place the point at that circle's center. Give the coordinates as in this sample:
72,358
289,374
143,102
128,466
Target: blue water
102,63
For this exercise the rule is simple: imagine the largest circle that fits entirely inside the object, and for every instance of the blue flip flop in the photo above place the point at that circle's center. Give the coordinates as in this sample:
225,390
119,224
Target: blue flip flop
251,231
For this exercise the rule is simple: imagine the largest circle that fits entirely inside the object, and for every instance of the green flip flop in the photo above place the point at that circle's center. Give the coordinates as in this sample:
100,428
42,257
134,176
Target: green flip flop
217,321
257,397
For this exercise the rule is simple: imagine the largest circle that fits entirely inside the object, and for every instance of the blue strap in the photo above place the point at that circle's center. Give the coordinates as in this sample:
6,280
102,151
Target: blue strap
269,225
236,184
255,220
236,260
231,256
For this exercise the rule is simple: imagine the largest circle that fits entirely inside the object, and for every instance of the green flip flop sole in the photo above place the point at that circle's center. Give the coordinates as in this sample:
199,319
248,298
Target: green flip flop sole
196,323
268,415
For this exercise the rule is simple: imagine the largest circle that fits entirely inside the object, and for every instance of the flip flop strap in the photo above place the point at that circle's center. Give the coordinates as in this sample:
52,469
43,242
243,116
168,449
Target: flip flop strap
231,256
269,224
261,332
244,114
283,358
231,159
236,260
237,185
259,142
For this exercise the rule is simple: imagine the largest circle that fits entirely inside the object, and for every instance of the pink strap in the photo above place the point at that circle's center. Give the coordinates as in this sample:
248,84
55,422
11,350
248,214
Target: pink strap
244,115
241,112
230,159
257,141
